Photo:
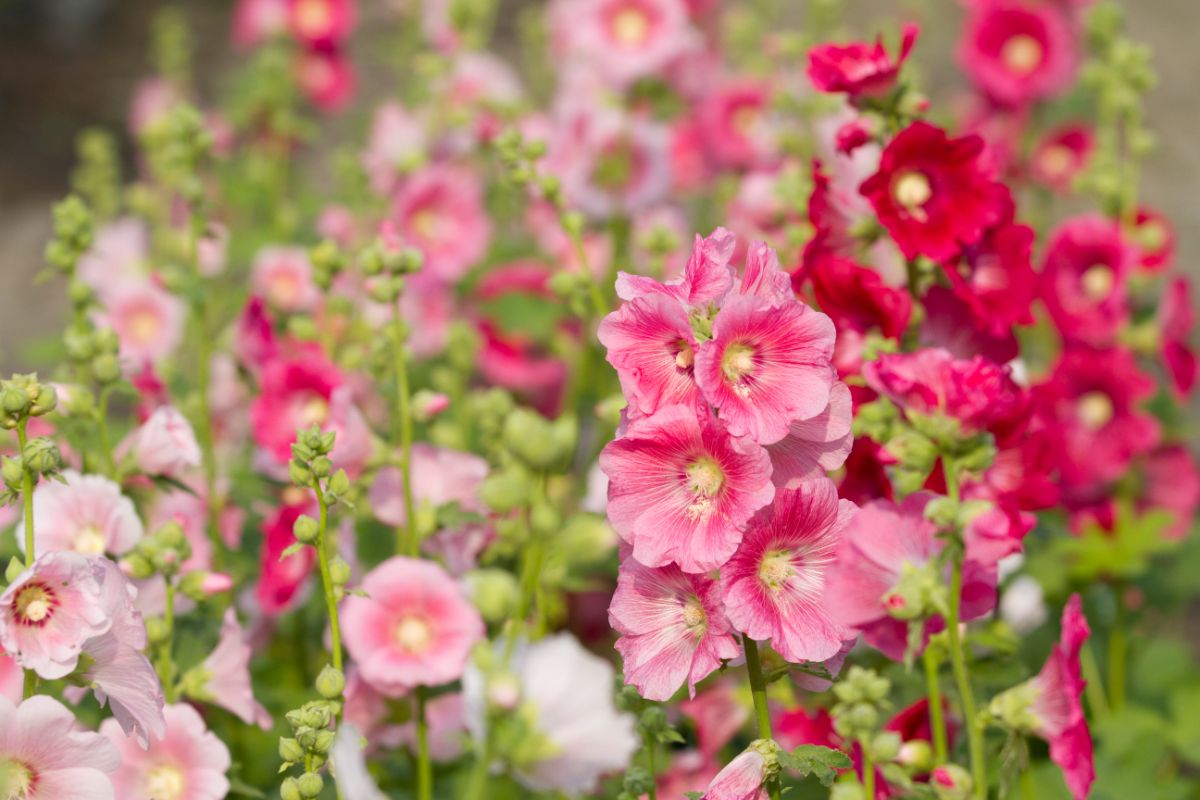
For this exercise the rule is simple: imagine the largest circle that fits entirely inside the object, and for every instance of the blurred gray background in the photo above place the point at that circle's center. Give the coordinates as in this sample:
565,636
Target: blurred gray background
66,64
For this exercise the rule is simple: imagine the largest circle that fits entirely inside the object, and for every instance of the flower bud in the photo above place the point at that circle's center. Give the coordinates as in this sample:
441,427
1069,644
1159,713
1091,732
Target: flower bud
502,491
14,399
427,405
339,483
290,750
322,466
290,790
494,592
13,472
157,630
324,742
137,566
917,755
299,474
41,455
14,569
106,368
545,520
331,683
310,784
339,571
47,401
951,782
306,529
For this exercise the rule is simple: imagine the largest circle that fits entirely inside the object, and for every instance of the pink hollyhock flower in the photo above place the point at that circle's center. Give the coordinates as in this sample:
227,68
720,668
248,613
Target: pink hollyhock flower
652,347
188,764
741,779
516,362
1155,239
672,627
414,628
881,543
681,488
439,210
718,714
800,726
995,278
86,514
707,277
281,581
760,211
951,325
327,78
321,24
766,366
165,444
858,69
1171,483
148,320
623,39
284,277
12,679
257,21
689,771
440,476
153,99
614,165
368,711
118,255
774,586
254,342
348,757
1018,52
1084,279
226,673
396,144
1061,155
933,194
975,392
736,126
1177,317
44,755
816,445
294,393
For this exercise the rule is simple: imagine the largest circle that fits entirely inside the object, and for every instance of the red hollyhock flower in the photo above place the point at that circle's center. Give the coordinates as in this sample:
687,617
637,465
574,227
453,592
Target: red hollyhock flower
1061,155
858,301
995,278
1018,52
321,24
933,193
281,580
1087,266
1155,237
1177,317
858,68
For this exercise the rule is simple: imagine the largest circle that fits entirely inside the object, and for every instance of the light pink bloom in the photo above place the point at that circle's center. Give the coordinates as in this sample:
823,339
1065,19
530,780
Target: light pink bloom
12,679
348,758
673,628
767,365
415,627
87,514
227,673
439,210
256,21
45,756
440,476
165,444
816,445
188,764
681,488
707,277
612,164
284,277
1018,52
775,586
396,144
624,39
118,255
148,320
741,779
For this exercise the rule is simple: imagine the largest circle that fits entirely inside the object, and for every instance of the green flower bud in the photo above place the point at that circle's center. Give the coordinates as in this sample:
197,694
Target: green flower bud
331,683
290,790
171,535
321,466
106,368
306,529
80,345
107,341
290,750
317,716
15,567
324,742
47,401
545,520
339,483
494,592
157,630
917,755
863,717
137,566
41,455
13,471
502,491
299,474
306,736
339,571
530,437
295,718
847,791
310,784
885,746
951,782
14,399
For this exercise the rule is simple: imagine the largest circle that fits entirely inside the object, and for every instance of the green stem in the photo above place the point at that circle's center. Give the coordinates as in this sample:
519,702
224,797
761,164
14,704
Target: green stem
335,628
26,492
407,541
648,741
936,716
205,429
424,765
868,768
477,782
166,667
1118,653
1095,685
106,450
758,690
963,681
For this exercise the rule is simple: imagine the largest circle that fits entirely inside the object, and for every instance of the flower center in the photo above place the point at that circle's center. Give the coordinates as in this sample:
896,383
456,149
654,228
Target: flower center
1095,410
630,26
313,17
90,541
144,326
745,118
16,779
1057,160
1097,282
165,782
413,634
912,191
34,604
1021,54
1151,235
693,615
775,570
737,362
704,477
684,355
284,289
313,411
426,224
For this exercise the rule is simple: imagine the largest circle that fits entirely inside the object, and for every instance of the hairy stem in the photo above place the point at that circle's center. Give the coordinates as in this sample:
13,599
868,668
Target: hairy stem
937,719
407,542
758,690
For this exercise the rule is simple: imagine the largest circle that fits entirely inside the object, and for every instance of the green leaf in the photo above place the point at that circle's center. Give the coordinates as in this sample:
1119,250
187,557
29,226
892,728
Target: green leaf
812,759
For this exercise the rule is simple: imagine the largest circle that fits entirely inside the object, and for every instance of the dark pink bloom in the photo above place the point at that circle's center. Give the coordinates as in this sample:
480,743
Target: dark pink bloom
281,581
858,68
672,628
681,488
707,277
718,714
1155,239
439,210
283,276
775,584
321,24
652,347
995,279
1177,318
1084,279
735,124
327,78
933,193
816,445
1058,703
949,324
1018,52
1061,155
294,393
1171,483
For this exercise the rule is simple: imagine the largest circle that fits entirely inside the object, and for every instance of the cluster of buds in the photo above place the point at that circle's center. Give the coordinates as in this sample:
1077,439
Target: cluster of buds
861,697
385,262
328,260
74,230
22,397
312,468
97,176
177,146
95,350
161,553
312,737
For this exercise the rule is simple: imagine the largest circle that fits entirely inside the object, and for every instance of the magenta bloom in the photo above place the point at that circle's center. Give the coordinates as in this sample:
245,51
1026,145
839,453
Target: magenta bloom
44,755
1177,317
321,24
816,445
284,277
858,68
86,514
707,276
1058,704
935,194
188,764
775,584
651,346
1088,264
439,211
681,488
1061,155
735,124
280,583
995,279
673,628
414,628
1018,52
294,393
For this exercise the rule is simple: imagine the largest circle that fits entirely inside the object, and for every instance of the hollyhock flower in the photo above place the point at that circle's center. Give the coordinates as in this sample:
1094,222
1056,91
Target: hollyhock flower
881,543
165,444
774,585
951,325
858,301
283,276
1084,277
615,165
447,728
118,255
86,514
1061,155
12,679
816,445
321,24
801,726
681,488
153,99
1172,483
439,210
672,626
735,124
1018,52
1155,239
866,477
224,676
933,194
294,393
148,320
396,144
281,580
569,693
741,779
254,343
188,764
760,211
414,628
707,277
327,78
44,755
440,477
718,714
652,347
256,21
1023,605
689,771
623,39
348,756
858,68
995,279
1177,317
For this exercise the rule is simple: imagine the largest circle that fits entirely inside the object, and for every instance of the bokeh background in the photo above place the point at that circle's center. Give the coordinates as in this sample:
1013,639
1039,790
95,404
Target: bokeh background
68,64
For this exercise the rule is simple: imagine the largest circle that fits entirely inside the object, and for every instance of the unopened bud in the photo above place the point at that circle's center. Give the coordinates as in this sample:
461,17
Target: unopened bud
14,399
917,755
339,483
339,571
951,782
47,401
310,785
494,592
41,455
299,474
290,750
106,368
290,790
306,529
13,472
331,683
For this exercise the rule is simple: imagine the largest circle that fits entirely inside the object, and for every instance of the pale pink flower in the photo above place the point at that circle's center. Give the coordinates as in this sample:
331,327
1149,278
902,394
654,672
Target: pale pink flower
681,488
256,21
44,755
147,319
673,628
86,514
447,728
152,100
624,39
12,678
741,779
816,445
348,757
440,476
165,444
227,675
395,145
653,349
415,627
189,763
611,164
284,277
439,210
118,255
775,586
